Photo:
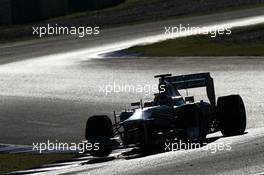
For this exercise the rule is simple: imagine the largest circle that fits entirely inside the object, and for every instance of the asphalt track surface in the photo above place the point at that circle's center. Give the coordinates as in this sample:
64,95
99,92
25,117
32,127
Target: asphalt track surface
46,96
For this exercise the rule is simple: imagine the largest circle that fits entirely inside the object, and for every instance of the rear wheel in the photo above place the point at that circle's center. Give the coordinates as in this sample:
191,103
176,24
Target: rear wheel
232,115
99,129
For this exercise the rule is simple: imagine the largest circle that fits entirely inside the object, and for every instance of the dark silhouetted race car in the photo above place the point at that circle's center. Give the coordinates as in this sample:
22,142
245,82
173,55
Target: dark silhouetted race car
169,117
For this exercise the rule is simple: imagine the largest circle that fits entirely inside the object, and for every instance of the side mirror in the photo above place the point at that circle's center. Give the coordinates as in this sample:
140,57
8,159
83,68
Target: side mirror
148,104
135,104
189,99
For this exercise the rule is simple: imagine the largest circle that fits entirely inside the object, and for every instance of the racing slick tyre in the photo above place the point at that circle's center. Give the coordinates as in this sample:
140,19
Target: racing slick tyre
232,115
99,129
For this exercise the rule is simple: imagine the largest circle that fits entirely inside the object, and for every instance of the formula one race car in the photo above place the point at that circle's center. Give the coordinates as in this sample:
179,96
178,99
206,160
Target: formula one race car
169,117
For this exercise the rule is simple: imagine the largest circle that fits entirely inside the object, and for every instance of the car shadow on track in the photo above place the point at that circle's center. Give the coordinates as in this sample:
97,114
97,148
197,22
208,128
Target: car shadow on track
139,152
99,160
127,154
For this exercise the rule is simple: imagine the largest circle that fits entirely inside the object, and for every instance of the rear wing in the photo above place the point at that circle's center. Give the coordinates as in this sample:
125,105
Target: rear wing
192,81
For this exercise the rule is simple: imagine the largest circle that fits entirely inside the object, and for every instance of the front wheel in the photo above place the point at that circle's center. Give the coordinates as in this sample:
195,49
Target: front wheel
232,115
99,129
